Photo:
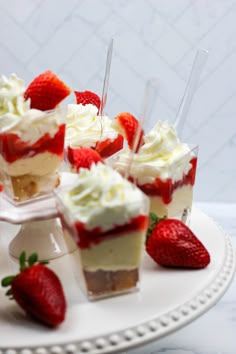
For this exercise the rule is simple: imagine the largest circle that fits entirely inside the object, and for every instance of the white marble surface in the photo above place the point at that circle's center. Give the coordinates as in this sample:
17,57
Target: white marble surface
214,332
152,38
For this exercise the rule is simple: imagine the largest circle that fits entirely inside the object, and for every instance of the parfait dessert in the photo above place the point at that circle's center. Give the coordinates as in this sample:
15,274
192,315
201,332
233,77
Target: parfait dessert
85,127
107,217
164,169
32,131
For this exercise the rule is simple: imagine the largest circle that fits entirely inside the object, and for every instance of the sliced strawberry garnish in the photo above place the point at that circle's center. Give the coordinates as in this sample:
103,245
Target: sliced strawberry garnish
87,97
126,124
83,157
46,91
109,147
173,244
38,291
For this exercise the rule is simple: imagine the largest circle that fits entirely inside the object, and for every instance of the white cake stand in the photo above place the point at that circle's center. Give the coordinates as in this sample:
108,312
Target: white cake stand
168,299
39,227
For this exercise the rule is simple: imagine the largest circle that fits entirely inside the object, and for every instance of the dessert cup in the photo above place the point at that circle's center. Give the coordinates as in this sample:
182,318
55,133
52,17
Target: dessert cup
169,188
31,153
105,143
84,128
111,239
164,169
172,197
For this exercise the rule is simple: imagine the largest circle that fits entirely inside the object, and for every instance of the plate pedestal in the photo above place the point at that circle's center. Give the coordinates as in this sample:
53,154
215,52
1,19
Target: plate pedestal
45,237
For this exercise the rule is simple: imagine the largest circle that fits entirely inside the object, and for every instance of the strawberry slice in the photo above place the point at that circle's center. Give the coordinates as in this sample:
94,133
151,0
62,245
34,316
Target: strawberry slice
172,244
46,91
109,147
83,157
38,291
87,97
127,125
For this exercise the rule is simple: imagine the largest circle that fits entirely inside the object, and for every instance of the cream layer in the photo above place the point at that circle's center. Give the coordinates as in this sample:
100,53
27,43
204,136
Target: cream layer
114,253
181,199
40,165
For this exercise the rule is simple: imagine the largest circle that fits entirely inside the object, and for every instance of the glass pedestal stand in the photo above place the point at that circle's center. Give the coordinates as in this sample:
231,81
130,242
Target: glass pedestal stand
40,229
44,237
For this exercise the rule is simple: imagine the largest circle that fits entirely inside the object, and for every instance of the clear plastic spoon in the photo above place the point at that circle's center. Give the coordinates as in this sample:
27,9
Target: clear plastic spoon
149,99
106,78
198,64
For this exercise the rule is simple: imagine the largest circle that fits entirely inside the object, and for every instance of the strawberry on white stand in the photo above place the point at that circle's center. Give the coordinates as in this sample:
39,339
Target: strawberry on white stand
171,243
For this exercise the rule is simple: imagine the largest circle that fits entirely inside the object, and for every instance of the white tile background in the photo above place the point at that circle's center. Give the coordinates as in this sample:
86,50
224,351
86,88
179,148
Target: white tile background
151,38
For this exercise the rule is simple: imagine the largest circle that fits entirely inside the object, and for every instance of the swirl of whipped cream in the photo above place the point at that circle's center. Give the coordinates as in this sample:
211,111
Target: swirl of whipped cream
84,127
162,156
101,197
12,102
16,117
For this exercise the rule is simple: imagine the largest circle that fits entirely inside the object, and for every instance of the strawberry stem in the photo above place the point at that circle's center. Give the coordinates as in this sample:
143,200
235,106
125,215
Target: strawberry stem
7,280
33,258
24,263
154,221
22,260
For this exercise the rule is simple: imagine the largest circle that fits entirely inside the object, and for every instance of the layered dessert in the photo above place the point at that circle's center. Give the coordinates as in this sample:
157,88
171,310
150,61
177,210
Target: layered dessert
164,169
31,140
107,217
85,127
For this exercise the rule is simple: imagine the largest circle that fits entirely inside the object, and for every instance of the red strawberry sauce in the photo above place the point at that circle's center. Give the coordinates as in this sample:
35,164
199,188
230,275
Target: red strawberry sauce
109,147
165,189
88,237
13,148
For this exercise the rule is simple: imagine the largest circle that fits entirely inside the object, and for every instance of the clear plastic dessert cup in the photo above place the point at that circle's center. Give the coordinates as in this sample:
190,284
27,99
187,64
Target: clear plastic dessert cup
169,187
110,244
31,152
105,143
85,128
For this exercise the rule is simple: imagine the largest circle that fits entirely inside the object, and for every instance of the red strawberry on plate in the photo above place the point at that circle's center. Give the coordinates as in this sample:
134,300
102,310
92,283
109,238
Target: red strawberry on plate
83,157
172,244
38,291
126,124
46,91
87,97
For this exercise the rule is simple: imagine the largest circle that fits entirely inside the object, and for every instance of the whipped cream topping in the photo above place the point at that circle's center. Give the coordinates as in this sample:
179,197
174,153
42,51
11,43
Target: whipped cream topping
84,127
16,116
12,102
101,197
162,155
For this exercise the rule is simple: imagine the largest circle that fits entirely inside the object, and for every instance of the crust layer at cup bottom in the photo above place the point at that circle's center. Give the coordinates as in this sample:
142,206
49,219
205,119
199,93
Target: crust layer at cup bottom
101,282
24,187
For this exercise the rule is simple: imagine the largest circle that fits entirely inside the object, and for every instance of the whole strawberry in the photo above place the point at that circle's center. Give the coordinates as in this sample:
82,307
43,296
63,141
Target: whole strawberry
46,91
38,291
87,97
172,244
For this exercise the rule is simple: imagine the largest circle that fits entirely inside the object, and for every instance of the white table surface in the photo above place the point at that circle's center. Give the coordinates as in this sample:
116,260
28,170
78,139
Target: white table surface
215,331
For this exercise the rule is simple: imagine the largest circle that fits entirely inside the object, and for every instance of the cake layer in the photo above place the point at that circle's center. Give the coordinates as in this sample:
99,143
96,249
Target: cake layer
102,283
20,188
40,164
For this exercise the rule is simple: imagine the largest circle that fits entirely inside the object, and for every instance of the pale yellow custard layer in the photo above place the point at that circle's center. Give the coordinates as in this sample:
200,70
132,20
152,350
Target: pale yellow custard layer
40,165
122,252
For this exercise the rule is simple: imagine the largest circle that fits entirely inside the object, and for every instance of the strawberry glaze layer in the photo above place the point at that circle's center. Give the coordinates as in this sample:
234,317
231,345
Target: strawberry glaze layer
109,147
13,148
96,235
165,189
